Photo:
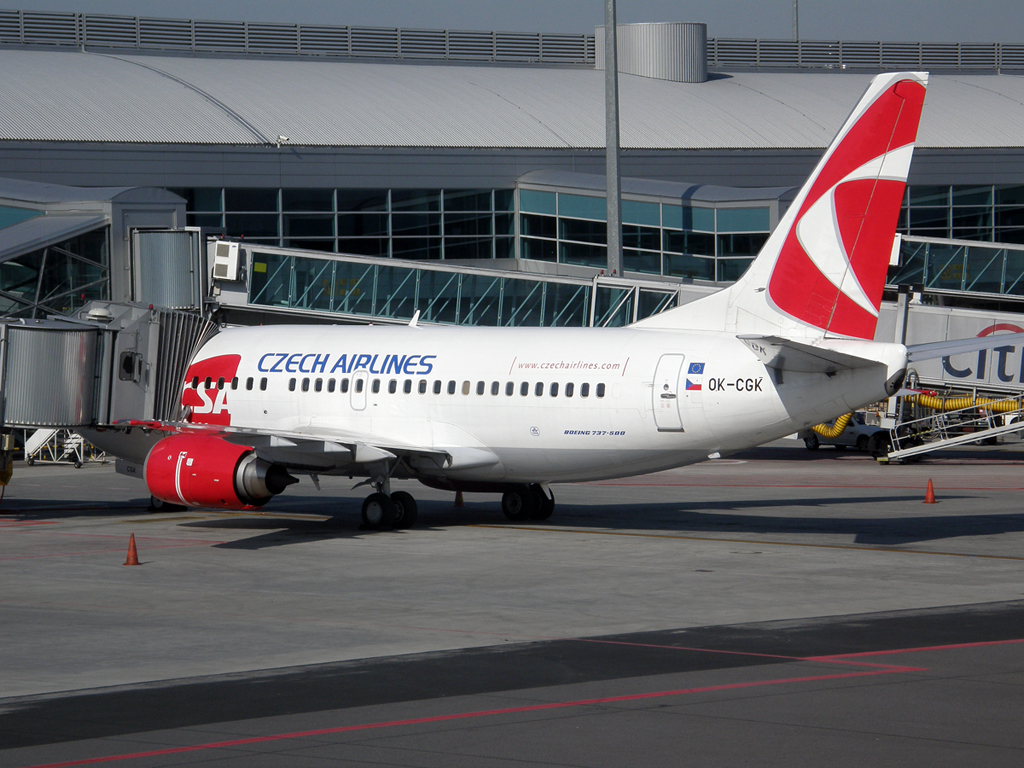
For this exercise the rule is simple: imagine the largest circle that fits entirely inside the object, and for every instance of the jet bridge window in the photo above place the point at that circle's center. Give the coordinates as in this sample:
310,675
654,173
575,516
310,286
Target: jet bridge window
568,389
584,390
510,389
375,387
495,387
538,389
480,387
600,390
392,387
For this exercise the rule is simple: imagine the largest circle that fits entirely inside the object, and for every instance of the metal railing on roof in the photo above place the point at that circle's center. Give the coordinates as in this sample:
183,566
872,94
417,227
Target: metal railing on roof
81,30
242,37
872,55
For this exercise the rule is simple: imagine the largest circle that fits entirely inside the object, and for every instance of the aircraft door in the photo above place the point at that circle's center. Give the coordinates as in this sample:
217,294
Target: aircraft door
360,381
666,394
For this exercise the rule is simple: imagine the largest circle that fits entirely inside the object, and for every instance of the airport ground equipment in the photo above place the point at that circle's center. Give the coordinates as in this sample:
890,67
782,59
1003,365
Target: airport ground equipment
967,420
60,446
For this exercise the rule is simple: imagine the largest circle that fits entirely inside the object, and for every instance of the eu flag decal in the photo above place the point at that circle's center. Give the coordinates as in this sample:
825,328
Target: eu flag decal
691,385
696,369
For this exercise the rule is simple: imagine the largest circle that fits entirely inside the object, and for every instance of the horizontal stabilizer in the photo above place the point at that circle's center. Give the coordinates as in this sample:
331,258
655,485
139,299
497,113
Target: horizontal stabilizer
936,349
788,355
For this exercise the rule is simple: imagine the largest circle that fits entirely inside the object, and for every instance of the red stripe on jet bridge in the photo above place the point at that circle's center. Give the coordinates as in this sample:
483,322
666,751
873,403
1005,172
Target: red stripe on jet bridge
471,715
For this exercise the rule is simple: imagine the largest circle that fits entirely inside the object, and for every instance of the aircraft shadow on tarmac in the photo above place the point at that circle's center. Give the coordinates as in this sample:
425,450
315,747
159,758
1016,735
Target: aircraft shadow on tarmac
708,518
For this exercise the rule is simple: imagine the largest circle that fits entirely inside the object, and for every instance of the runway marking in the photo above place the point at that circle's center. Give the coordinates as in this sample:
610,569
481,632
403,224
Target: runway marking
921,649
758,542
473,715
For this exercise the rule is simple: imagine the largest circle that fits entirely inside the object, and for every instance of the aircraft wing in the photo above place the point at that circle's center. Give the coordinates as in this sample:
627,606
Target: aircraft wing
788,355
936,349
328,450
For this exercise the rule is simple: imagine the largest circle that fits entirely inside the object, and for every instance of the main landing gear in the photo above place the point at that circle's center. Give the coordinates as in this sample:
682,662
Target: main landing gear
383,509
528,502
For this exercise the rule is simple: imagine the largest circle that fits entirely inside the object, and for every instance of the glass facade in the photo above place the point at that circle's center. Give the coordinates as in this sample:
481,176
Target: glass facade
358,287
950,266
993,213
57,279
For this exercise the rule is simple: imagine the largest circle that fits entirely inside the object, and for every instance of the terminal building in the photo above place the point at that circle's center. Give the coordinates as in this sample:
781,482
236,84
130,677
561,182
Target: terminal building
370,173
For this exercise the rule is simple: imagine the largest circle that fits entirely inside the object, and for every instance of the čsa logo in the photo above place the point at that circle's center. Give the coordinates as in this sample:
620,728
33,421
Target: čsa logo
206,389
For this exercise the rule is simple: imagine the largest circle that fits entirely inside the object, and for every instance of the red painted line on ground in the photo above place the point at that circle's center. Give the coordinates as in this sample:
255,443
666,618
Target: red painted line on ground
802,487
470,715
922,649
25,523
105,551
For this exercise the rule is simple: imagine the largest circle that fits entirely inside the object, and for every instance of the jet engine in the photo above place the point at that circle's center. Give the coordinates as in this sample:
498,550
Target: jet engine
207,471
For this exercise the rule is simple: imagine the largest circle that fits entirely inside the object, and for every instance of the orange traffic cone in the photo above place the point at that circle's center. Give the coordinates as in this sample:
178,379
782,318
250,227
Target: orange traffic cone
133,556
459,503
929,495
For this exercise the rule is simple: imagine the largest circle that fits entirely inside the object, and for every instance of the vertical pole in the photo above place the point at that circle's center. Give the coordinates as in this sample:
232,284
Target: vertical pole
611,122
796,19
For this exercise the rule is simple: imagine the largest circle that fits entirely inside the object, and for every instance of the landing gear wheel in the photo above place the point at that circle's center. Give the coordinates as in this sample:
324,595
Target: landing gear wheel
545,504
518,503
812,442
862,443
405,509
378,511
159,505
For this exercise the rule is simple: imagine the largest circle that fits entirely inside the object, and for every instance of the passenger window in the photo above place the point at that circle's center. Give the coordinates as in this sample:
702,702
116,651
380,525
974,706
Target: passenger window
375,387
305,385
248,383
451,387
568,389
437,386
423,386
392,387
495,387
600,390
465,387
554,389
407,387
291,385
208,383
220,383
524,388
234,383
344,385
318,385
538,389
510,389
359,385
195,383
263,384
584,390
480,387
330,385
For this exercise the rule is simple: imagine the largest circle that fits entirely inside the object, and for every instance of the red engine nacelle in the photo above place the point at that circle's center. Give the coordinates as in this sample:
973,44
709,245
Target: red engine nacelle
206,471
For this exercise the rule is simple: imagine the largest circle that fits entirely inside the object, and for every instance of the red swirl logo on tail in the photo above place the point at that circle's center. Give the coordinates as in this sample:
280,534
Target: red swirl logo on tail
832,265
207,385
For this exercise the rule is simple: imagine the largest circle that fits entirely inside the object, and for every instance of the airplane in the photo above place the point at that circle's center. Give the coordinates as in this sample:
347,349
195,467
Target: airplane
513,410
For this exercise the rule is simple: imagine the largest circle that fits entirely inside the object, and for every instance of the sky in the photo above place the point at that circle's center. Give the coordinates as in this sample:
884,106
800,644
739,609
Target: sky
909,20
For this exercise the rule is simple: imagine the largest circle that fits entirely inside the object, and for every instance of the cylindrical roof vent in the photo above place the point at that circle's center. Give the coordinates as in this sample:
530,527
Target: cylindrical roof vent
675,51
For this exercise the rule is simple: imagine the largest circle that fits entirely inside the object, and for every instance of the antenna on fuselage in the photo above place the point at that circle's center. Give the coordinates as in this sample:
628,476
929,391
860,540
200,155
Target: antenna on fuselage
415,319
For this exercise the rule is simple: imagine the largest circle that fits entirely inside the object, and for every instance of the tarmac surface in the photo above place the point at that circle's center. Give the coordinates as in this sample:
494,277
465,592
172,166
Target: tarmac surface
780,607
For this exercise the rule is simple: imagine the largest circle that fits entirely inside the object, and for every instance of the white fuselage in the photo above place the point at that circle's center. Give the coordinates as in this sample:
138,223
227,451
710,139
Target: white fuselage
598,403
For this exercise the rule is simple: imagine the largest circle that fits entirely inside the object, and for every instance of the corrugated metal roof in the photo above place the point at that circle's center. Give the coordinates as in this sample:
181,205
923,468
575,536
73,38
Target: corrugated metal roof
64,96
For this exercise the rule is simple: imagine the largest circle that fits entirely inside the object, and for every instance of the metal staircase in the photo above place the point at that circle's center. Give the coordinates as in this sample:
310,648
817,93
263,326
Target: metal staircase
946,429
